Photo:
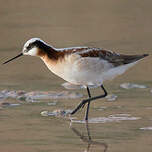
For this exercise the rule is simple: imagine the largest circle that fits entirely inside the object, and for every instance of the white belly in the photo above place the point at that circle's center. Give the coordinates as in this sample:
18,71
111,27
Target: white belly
85,71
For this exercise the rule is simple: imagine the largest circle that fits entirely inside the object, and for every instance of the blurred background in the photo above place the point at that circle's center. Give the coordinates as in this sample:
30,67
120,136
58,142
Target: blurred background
122,26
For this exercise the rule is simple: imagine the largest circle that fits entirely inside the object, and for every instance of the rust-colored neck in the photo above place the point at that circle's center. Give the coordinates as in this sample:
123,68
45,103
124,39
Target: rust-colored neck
49,53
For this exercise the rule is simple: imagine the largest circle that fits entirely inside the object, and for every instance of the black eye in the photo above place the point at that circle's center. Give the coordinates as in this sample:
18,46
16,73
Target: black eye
29,47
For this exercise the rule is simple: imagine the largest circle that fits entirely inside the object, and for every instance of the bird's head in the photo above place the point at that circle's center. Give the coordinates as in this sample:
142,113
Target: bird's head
33,47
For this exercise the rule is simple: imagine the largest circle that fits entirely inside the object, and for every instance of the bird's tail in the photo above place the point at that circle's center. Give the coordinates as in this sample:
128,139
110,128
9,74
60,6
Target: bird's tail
127,59
133,58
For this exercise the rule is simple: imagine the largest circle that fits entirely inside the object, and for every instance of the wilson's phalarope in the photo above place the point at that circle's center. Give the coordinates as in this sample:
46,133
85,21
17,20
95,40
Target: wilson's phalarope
81,65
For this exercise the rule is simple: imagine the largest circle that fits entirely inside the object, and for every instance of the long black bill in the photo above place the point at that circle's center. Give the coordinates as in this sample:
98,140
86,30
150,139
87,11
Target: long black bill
13,58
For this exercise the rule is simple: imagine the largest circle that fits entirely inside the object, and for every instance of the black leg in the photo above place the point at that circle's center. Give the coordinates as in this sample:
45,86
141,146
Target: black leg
88,106
89,100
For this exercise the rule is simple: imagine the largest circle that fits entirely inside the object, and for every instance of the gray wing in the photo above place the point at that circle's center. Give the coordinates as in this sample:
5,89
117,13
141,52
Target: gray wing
112,57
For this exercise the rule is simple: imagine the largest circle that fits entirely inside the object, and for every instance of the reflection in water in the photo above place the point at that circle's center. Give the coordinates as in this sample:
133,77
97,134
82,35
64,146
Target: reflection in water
88,140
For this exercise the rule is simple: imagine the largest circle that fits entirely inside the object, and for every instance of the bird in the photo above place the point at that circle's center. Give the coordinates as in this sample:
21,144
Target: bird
84,66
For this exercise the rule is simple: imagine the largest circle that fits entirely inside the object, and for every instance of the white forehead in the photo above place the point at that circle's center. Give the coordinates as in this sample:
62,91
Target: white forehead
33,40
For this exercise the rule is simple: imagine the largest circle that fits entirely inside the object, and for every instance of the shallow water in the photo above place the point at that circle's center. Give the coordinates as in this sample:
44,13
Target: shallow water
121,25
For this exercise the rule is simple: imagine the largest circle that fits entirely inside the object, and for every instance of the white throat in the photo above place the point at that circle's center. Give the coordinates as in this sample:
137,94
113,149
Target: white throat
32,52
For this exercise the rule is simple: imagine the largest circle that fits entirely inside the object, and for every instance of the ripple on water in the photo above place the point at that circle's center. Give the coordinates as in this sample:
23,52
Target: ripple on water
7,104
68,85
111,97
52,103
111,118
132,85
56,113
146,128
33,96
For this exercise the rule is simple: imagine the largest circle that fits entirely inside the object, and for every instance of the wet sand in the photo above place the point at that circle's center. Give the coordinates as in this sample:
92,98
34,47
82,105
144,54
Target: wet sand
122,26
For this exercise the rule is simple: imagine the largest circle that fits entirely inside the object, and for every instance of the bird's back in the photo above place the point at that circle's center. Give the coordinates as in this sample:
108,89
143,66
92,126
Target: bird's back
115,58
